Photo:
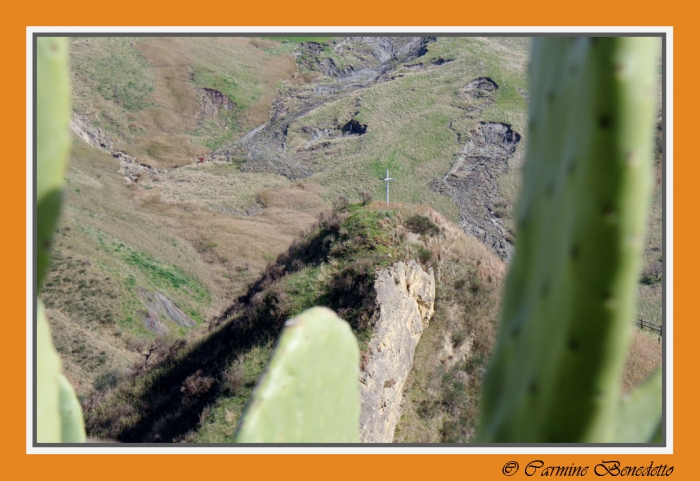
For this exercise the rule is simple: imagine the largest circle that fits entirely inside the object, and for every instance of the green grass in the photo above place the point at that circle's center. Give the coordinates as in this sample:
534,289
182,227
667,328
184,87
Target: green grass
299,39
408,123
219,423
241,88
158,274
115,70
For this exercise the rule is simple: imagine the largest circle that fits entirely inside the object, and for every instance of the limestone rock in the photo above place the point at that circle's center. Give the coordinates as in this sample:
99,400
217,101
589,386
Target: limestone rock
161,307
405,305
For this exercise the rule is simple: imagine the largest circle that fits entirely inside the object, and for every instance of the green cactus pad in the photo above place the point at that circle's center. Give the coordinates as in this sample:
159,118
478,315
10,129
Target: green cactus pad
48,371
59,416
72,424
309,393
639,417
53,140
569,298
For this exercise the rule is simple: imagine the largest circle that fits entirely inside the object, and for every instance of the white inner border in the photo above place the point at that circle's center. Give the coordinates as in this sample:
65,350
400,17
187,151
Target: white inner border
368,449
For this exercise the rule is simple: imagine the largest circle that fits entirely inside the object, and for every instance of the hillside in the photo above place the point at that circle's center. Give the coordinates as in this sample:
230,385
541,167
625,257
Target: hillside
197,163
195,393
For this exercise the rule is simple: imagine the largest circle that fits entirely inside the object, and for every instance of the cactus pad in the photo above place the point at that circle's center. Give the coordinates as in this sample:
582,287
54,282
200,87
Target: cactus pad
309,393
567,313
53,140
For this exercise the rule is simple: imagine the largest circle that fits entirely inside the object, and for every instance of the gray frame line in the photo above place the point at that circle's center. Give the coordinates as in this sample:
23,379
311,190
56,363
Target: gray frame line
662,35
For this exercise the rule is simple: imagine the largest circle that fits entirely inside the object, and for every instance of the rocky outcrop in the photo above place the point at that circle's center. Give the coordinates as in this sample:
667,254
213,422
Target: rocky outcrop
159,308
405,305
212,102
128,165
473,183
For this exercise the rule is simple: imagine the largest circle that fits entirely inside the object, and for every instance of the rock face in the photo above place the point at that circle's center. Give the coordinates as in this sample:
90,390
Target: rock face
159,308
211,103
473,183
405,300
128,165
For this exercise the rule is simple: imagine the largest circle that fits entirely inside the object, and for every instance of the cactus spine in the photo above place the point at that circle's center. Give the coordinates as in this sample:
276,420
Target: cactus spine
569,298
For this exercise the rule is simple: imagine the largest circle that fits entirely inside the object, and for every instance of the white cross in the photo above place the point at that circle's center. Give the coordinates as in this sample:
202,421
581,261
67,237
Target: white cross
387,186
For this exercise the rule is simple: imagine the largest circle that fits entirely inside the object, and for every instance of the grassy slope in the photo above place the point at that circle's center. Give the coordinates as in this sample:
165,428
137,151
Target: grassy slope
114,239
197,393
142,91
105,247
408,121
440,402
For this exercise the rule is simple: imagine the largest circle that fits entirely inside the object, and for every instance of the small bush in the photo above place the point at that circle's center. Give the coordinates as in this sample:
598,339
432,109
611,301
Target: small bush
424,255
340,204
197,384
420,224
234,377
652,273
366,197
106,380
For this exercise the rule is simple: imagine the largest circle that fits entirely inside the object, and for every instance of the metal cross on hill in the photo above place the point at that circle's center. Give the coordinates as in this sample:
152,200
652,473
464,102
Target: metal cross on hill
387,186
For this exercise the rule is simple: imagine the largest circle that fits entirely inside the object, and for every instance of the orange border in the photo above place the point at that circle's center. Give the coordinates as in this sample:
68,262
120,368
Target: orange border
358,12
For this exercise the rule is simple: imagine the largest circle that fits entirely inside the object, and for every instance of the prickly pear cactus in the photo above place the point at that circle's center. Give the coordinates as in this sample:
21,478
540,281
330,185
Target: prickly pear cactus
569,298
59,416
48,370
639,413
72,424
309,392
53,141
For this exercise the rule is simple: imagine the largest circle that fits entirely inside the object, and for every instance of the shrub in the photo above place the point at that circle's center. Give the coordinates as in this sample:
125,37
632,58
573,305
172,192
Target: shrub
652,273
340,204
366,197
420,224
106,380
197,384
424,255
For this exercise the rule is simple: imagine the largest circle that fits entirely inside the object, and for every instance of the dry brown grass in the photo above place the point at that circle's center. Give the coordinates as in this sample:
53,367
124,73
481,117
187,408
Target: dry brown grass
440,402
300,196
263,43
176,106
245,55
196,231
301,78
162,131
643,357
86,352
237,248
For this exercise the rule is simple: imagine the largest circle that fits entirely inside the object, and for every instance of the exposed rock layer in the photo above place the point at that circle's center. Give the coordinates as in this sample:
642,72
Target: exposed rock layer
128,165
373,60
405,300
473,183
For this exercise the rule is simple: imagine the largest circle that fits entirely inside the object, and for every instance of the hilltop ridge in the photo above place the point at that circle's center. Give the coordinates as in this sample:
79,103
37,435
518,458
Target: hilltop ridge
196,392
